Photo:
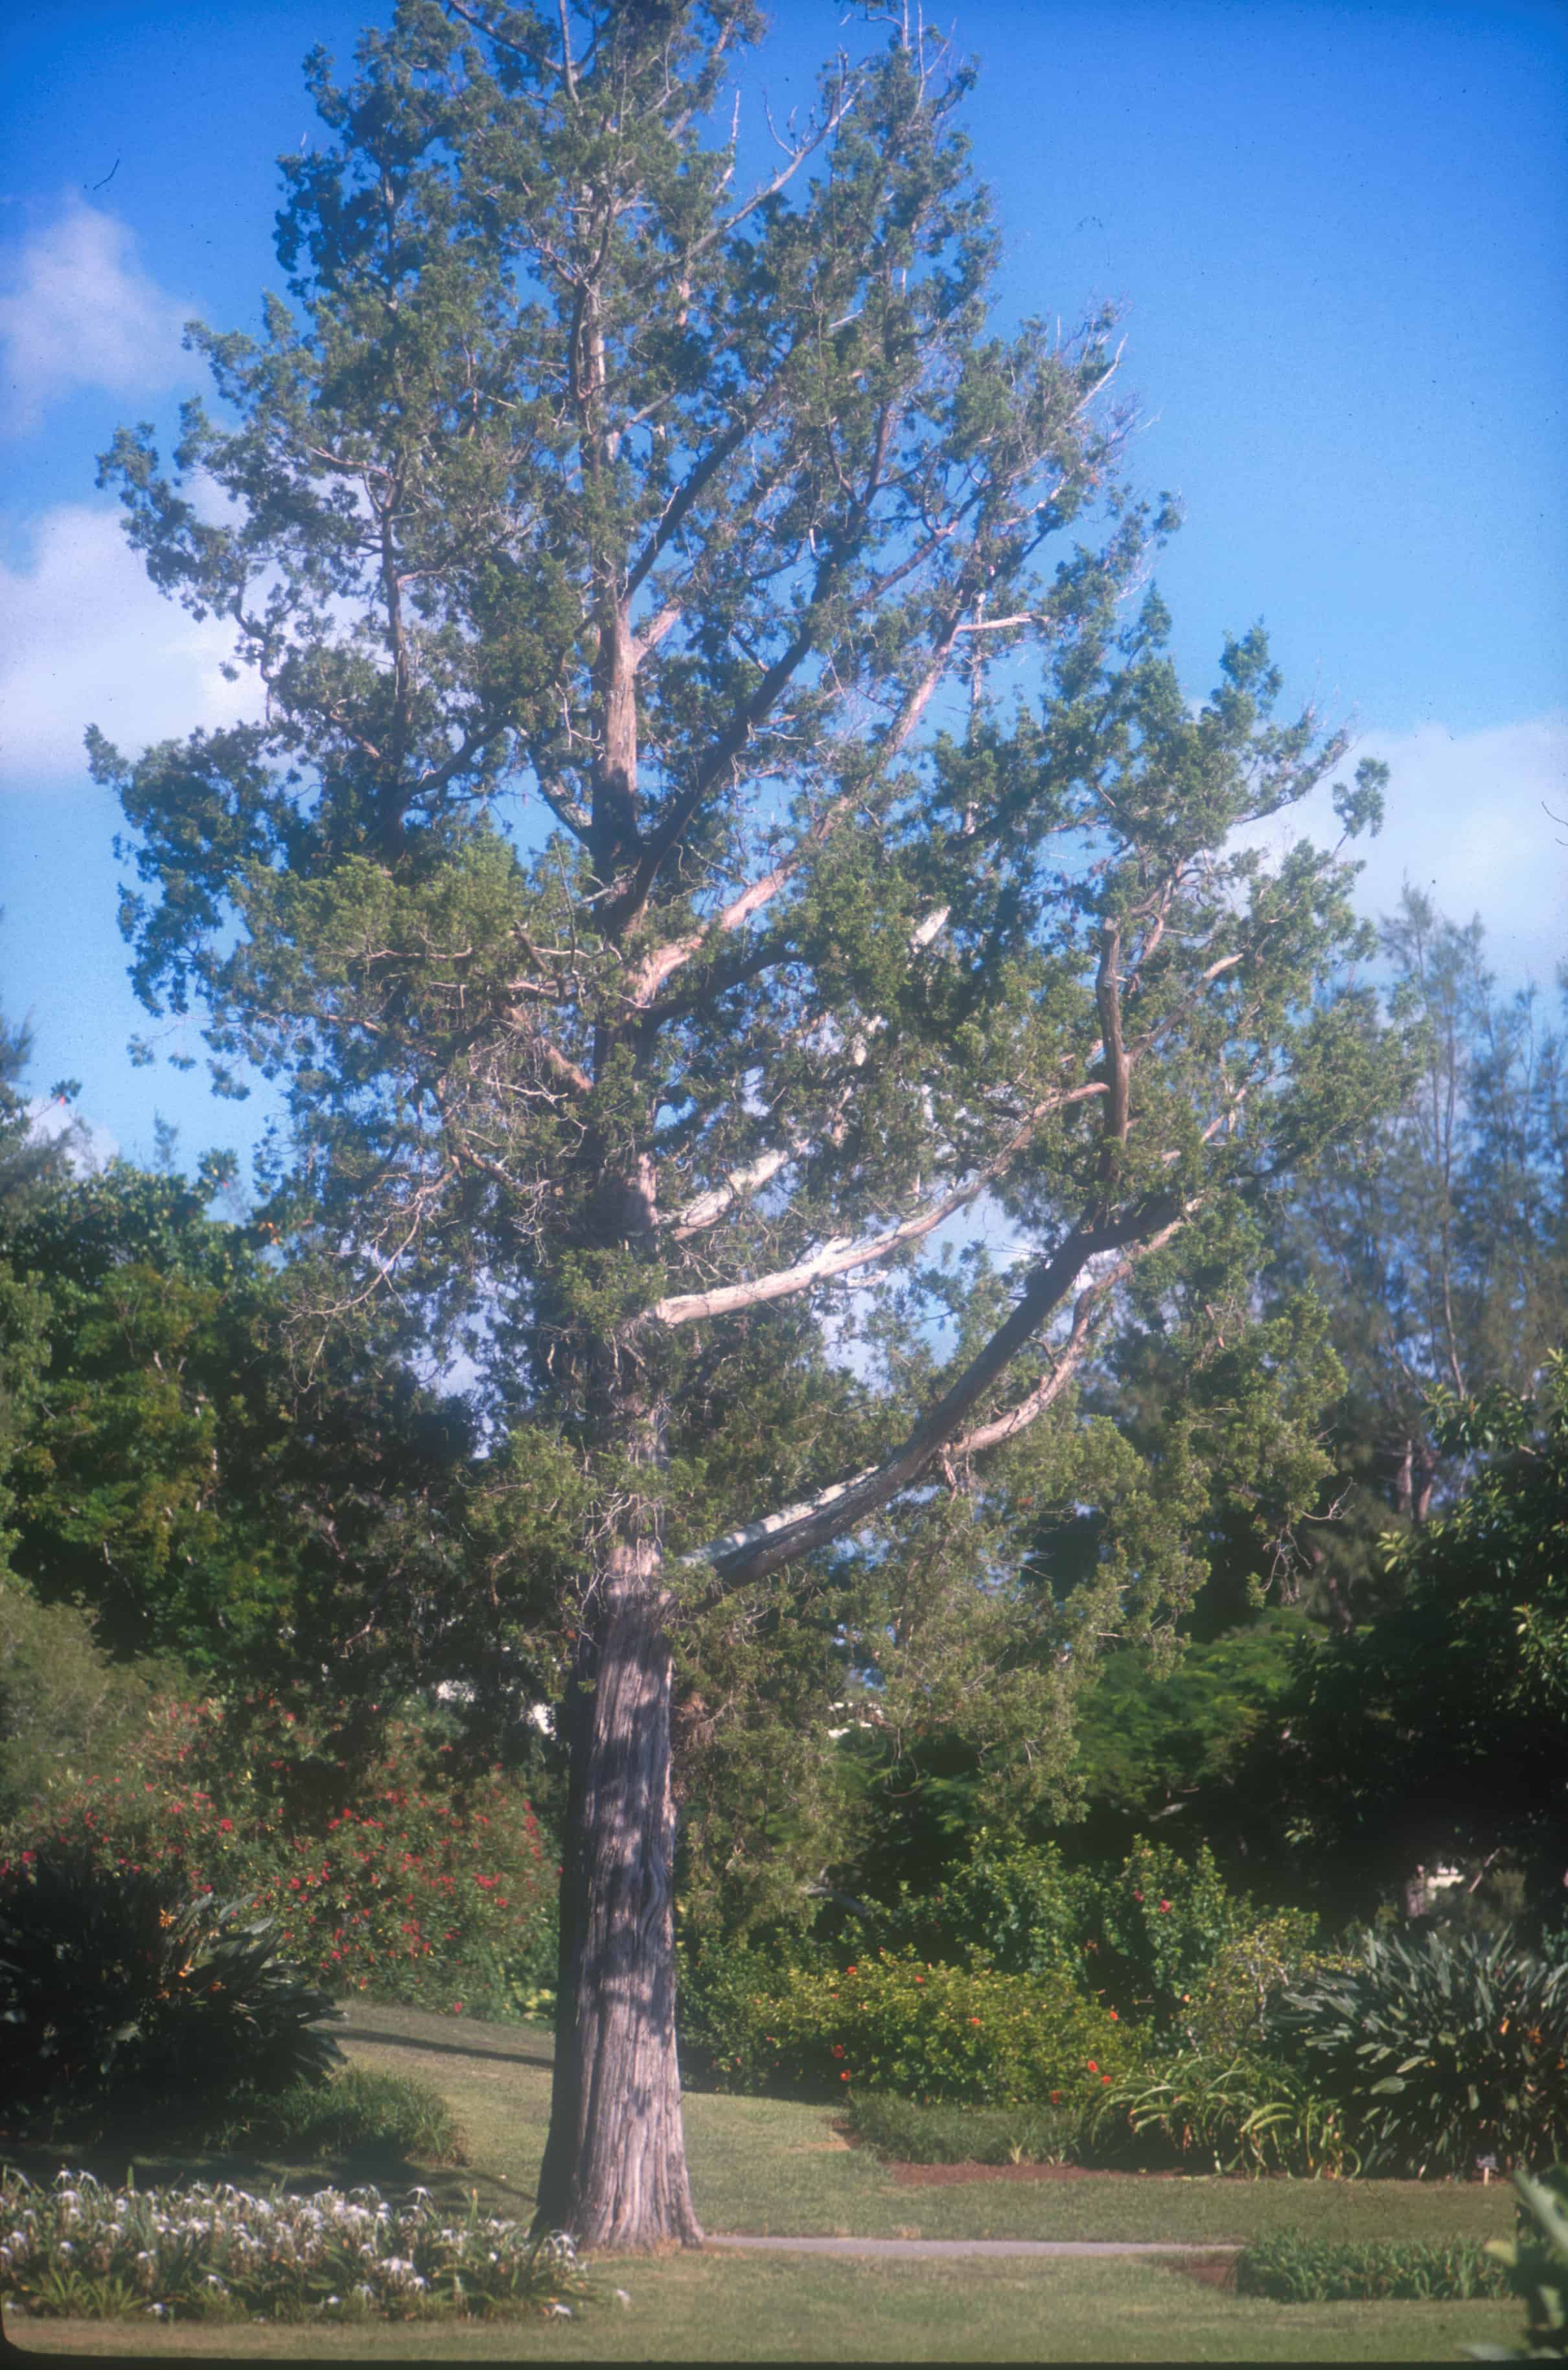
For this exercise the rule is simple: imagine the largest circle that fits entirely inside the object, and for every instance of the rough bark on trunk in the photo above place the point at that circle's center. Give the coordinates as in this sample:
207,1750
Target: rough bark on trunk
614,2170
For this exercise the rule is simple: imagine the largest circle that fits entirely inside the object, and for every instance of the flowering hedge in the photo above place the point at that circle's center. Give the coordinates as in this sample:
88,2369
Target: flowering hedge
384,1876
212,2253
896,2022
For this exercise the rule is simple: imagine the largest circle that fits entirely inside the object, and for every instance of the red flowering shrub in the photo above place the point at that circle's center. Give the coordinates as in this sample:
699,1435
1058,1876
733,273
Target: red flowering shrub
385,1875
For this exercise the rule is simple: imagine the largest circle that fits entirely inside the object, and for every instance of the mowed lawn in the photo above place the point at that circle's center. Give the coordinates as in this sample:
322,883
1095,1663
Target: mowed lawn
764,2167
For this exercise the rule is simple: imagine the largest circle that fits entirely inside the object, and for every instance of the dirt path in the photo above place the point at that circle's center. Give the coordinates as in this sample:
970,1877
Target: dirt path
928,2249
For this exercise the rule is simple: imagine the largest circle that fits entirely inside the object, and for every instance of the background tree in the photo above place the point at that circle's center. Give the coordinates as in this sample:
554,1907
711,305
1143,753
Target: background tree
1439,1248
180,1478
1440,1731
32,1163
645,940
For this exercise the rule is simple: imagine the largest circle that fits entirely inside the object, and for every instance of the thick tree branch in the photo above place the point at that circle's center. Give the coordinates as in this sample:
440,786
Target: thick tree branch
765,1546
840,1256
1108,997
1089,1304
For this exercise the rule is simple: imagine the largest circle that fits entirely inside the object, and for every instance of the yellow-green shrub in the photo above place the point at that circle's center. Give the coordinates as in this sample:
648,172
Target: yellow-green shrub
896,2022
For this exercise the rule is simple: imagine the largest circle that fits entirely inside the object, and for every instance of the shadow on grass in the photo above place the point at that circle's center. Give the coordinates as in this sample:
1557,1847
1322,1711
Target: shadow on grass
167,2158
385,2040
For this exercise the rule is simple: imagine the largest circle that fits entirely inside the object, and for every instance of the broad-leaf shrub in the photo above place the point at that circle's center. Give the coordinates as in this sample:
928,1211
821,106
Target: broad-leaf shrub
1535,2262
1439,2051
1244,2114
1142,1937
896,2022
115,1983
384,1875
1229,2012
213,2254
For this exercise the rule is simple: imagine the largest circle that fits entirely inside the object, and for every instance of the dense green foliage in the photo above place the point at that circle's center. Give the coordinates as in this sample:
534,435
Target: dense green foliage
1143,1937
115,1985
184,1477
1291,2270
1439,2054
929,2032
1440,1732
1182,1743
360,2113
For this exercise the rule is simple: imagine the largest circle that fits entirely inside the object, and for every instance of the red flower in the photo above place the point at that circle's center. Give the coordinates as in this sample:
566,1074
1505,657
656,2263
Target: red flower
456,2007
1114,2018
1105,2077
838,2049
1055,2097
1163,1907
974,2020
225,1826
1092,2066
850,1971
1138,1896
843,2076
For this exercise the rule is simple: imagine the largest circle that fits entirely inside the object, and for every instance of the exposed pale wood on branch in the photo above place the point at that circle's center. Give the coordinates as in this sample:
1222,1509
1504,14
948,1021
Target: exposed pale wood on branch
765,1546
841,1255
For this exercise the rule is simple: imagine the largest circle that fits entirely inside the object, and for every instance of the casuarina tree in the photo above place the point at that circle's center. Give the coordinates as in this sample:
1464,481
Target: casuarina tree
721,810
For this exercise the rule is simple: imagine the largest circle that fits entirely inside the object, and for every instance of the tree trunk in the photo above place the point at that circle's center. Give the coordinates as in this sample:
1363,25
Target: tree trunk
615,2171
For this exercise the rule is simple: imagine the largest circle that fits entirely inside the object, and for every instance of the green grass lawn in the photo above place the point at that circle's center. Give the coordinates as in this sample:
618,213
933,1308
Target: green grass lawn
769,2167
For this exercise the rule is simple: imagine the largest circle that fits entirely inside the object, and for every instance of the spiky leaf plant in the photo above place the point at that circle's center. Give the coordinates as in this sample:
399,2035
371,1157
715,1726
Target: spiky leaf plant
117,1985
1441,2053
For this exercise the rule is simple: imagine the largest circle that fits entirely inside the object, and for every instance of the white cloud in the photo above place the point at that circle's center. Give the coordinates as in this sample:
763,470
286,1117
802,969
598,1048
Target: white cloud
76,309
85,638
1469,821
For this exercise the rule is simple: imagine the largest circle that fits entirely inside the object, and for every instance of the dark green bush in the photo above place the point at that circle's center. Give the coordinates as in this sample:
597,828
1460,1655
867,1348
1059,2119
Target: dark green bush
114,1983
1439,2052
906,2133
718,1986
1535,2266
1323,2270
1244,2114
358,2113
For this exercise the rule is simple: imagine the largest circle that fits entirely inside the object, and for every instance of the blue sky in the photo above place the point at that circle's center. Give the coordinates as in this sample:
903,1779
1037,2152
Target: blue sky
1339,233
